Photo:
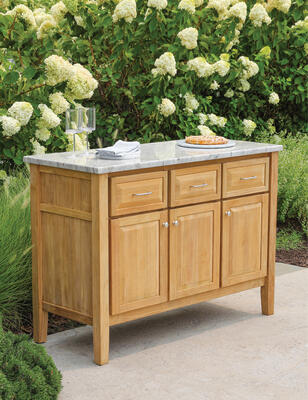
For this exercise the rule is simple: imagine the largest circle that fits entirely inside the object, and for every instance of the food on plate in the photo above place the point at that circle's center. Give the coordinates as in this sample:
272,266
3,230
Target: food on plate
208,140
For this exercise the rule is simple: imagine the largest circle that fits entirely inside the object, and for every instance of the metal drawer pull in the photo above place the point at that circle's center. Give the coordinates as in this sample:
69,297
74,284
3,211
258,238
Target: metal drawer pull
142,194
248,178
175,223
228,213
165,224
199,186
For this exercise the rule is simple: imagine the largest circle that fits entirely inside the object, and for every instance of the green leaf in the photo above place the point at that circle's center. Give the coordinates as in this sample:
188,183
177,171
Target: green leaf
29,72
11,77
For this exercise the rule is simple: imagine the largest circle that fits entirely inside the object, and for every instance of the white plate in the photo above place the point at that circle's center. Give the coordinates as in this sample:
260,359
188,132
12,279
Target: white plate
182,143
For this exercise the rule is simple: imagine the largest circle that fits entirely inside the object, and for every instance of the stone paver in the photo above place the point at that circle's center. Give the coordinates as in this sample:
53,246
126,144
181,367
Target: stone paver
224,349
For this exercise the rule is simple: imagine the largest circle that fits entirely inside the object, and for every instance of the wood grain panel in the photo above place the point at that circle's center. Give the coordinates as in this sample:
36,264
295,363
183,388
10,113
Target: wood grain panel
184,301
194,249
245,177
244,239
66,250
67,192
136,193
139,246
195,185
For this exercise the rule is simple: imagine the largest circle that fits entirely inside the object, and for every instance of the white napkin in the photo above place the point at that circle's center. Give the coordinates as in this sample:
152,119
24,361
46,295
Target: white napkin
120,151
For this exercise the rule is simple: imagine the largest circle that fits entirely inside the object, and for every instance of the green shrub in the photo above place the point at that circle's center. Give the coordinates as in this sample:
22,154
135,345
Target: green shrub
15,250
121,55
27,372
292,175
289,239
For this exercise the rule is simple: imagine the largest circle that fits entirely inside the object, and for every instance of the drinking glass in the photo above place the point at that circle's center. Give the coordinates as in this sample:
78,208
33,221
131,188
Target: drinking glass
72,122
87,124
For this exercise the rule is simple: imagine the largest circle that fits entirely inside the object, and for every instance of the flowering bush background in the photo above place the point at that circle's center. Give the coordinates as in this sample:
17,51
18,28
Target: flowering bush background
156,69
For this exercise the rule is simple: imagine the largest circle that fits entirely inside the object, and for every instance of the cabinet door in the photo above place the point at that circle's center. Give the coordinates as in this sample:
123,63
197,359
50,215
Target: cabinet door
244,239
194,249
139,261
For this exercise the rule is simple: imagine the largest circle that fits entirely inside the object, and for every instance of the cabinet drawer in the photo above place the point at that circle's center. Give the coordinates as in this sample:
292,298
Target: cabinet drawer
136,193
195,185
245,177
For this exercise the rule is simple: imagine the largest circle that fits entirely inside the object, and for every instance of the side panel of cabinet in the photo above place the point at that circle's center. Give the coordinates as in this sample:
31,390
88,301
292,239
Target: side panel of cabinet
244,239
194,249
139,261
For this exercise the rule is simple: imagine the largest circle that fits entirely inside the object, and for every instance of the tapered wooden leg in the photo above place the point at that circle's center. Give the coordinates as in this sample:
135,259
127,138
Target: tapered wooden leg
40,317
100,268
267,291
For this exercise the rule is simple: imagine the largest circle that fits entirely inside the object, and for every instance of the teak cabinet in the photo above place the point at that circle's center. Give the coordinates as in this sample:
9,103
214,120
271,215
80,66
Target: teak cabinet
113,248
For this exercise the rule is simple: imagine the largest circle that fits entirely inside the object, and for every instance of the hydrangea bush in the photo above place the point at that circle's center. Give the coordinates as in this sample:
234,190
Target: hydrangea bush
156,69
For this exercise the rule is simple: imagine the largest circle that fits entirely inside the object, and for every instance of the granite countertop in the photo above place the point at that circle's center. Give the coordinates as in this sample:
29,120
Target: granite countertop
152,155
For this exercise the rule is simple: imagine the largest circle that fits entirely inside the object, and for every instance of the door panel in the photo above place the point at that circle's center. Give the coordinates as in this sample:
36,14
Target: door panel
245,232
139,258
194,249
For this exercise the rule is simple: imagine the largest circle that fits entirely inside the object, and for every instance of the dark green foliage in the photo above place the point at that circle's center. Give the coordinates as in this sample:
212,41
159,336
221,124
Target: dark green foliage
27,372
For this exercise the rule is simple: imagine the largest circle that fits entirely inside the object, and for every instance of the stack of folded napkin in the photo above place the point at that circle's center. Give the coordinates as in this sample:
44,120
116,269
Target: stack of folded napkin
120,151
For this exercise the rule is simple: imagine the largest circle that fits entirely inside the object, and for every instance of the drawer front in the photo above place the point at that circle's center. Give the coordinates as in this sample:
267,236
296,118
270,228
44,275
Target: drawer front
136,193
245,177
195,185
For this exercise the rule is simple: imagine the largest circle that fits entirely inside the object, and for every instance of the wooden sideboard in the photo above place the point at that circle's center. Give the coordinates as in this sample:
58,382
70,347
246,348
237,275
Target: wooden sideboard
114,247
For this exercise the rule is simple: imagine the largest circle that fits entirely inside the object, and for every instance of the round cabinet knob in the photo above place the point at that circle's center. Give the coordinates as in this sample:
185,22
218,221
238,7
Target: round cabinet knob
228,213
165,224
175,223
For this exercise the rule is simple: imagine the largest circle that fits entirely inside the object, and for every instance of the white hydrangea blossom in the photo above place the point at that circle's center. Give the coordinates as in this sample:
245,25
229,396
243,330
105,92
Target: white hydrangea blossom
239,10
249,126
258,15
221,6
48,119
214,85
191,102
250,67
48,24
37,148
58,103
40,15
79,21
22,111
281,5
198,3
229,93
218,121
273,98
188,37
206,131
81,83
57,70
301,24
166,107
221,67
165,64
158,4
58,10
187,5
42,134
202,118
125,9
201,67
243,85
23,12
10,126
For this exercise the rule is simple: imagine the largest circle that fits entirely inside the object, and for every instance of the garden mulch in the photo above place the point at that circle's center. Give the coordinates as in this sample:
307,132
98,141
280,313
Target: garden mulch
297,257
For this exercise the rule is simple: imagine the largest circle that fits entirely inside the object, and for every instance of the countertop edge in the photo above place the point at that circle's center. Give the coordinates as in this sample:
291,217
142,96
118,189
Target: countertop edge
268,148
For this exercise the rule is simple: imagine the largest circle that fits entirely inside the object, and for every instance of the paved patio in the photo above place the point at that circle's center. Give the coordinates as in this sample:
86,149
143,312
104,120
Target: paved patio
224,349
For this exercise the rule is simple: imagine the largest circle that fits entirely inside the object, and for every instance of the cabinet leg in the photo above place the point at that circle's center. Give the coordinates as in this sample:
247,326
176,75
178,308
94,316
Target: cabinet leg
267,297
40,325
100,268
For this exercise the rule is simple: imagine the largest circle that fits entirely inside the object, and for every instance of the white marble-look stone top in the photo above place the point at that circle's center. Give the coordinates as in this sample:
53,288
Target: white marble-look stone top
152,155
